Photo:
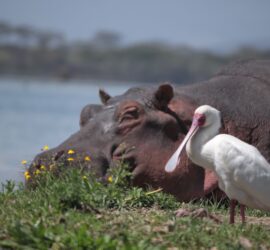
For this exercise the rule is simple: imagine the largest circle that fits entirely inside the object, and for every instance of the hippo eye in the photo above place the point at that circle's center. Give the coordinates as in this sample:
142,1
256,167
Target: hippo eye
129,114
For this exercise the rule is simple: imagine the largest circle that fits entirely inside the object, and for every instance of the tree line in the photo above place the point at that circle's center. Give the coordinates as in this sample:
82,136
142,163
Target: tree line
28,51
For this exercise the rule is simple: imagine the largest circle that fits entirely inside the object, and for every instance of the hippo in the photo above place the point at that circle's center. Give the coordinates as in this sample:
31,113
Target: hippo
145,125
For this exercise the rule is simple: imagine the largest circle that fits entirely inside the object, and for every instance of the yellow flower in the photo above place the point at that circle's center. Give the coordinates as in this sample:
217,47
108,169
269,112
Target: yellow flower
87,158
37,172
46,147
110,179
84,177
42,167
27,177
71,152
70,159
23,162
26,173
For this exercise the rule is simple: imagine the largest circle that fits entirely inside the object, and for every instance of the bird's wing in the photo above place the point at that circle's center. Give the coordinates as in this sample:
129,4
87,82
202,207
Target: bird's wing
243,169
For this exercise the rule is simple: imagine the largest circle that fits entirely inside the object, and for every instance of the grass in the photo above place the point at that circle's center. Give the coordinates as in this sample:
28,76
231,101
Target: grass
75,211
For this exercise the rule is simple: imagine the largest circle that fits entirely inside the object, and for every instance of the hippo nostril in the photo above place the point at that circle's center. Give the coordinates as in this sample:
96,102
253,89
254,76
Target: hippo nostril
113,148
125,154
123,149
118,152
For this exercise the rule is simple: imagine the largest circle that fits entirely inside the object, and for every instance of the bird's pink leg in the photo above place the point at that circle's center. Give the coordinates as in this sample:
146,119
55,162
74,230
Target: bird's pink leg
242,212
232,211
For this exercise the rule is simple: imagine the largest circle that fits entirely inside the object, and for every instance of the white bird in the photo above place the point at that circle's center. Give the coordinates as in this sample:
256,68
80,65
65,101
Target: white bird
243,173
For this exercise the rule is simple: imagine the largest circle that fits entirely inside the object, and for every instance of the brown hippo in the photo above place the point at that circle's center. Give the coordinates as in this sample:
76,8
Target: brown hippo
145,125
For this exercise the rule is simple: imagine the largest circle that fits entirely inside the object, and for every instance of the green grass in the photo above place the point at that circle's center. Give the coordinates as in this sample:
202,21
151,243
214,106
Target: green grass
75,212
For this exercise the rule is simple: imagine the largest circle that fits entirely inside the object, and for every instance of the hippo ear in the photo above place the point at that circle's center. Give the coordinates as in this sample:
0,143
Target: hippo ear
104,96
163,96
88,112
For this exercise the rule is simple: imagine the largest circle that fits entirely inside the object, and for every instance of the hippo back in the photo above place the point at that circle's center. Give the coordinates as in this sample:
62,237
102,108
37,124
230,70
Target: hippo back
241,91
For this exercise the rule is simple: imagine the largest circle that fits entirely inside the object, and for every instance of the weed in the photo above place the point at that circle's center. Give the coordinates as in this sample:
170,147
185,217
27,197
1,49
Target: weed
75,210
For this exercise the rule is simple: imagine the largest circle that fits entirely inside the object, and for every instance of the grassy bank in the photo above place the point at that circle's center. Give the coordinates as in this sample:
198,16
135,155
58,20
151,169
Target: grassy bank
75,211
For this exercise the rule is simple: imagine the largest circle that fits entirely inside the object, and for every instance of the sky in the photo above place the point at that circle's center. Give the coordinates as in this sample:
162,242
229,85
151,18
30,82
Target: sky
218,25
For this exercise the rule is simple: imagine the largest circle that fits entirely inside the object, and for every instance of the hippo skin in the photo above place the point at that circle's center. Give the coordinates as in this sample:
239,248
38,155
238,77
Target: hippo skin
145,125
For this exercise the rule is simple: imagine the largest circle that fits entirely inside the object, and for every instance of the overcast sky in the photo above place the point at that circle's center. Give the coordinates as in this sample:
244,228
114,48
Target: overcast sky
210,24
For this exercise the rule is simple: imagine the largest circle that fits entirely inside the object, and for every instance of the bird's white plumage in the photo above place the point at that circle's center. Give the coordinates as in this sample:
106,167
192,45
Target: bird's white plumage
243,173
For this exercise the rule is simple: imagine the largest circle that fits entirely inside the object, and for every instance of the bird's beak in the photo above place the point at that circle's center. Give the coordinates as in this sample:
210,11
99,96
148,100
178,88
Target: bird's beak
174,161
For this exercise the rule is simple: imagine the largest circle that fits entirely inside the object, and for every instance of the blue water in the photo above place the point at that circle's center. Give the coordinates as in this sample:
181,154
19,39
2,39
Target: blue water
34,113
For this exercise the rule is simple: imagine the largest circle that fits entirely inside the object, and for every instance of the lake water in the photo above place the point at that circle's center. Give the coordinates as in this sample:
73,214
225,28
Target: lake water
34,113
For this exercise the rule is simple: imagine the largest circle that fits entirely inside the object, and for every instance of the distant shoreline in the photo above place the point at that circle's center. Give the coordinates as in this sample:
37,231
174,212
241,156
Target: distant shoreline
26,79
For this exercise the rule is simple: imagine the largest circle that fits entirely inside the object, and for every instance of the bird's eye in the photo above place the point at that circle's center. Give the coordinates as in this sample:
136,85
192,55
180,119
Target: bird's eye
201,120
